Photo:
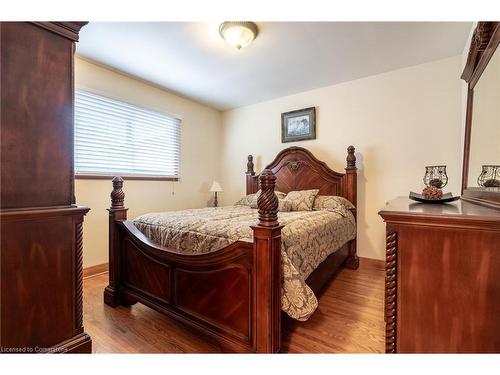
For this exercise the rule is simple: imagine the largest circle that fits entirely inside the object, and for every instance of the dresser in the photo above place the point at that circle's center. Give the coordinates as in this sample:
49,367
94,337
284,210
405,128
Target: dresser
442,289
41,227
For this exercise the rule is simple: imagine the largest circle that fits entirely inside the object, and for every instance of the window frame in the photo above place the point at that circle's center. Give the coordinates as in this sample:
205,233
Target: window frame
138,177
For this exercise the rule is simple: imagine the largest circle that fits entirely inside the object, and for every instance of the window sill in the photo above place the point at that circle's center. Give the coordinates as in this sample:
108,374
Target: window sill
125,177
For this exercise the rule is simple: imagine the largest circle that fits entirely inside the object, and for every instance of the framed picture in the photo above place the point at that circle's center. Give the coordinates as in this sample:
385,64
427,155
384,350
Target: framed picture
298,125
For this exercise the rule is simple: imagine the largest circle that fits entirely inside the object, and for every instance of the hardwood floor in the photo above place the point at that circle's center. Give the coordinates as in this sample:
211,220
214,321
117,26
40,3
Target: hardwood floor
349,319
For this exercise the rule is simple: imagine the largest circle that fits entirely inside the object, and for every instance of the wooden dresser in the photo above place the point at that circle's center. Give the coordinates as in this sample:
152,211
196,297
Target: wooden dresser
41,227
443,277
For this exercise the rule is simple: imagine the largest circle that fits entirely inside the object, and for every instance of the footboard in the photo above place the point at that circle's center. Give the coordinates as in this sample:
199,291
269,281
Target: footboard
232,294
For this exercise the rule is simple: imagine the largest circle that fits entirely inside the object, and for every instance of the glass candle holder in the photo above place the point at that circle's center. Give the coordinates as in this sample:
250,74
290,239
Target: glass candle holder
490,176
435,176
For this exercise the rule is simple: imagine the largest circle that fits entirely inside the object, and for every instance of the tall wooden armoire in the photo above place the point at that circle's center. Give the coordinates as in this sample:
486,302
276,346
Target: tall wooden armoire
41,227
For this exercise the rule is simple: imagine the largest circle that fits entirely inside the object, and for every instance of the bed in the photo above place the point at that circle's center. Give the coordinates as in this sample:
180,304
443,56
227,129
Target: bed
229,272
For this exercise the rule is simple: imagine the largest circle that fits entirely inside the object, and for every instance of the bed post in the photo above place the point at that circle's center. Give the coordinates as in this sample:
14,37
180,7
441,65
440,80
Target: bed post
267,263
117,214
250,175
351,186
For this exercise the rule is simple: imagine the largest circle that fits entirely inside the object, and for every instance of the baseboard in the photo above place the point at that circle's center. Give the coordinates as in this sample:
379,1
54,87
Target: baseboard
98,269
369,262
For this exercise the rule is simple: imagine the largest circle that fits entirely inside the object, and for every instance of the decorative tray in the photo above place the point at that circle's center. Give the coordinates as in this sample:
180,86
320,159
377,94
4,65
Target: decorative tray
448,197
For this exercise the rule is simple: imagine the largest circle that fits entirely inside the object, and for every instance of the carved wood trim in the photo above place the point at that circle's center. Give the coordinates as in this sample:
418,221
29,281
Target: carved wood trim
479,42
294,164
79,277
268,201
250,170
489,43
351,158
390,313
117,195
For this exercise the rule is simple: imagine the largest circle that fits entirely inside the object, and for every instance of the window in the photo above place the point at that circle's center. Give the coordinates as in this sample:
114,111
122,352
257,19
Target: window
117,138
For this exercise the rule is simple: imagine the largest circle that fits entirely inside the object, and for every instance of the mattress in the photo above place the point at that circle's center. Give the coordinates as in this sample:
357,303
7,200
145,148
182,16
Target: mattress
308,238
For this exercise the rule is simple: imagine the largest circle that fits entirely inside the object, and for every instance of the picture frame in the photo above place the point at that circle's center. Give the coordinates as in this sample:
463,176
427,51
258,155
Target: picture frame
298,125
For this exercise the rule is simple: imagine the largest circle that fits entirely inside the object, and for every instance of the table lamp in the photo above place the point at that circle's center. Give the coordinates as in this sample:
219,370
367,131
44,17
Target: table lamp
216,188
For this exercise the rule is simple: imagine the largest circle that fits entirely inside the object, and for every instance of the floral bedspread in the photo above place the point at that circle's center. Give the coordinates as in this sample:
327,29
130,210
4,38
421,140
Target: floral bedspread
307,239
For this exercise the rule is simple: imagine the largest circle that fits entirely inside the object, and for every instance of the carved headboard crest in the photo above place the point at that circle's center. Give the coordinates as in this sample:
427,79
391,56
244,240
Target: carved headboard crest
294,164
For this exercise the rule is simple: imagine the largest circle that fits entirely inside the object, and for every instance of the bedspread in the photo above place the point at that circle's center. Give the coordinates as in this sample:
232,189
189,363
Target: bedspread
308,237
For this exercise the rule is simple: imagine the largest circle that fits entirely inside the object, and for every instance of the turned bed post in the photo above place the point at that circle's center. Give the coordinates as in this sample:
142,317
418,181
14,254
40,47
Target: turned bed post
351,183
267,263
117,214
251,181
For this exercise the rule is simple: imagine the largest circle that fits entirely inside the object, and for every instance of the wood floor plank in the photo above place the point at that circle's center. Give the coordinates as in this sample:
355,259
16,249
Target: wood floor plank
349,319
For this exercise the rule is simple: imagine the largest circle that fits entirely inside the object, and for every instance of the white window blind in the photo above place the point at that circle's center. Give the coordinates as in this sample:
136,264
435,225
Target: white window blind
117,138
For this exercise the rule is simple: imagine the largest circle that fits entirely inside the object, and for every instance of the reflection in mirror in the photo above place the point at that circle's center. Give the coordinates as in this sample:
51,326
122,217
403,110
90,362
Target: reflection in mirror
484,156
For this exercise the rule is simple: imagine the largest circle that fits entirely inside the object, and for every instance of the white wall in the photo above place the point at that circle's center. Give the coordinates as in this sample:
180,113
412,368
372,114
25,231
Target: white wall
200,132
398,121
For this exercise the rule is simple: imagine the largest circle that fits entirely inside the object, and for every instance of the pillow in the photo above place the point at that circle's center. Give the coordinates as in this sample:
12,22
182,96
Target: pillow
251,199
331,202
246,200
284,205
301,200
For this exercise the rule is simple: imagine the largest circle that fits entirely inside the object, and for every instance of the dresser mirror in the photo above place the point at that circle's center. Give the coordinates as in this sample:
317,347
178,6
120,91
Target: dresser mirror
481,168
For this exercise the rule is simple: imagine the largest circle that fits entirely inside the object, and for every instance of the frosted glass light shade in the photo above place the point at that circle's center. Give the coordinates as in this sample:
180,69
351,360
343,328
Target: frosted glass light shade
216,187
238,34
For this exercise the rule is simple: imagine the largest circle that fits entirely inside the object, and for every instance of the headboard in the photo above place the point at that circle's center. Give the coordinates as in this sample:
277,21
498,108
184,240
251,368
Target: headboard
296,168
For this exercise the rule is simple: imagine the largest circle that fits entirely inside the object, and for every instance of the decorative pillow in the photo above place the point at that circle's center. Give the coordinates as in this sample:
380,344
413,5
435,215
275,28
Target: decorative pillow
284,205
331,202
301,200
246,200
251,199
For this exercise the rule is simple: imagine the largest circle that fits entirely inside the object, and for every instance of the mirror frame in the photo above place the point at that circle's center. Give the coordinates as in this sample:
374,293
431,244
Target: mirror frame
484,43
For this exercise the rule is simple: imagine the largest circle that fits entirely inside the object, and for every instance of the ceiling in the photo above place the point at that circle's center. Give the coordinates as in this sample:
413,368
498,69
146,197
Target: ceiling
190,58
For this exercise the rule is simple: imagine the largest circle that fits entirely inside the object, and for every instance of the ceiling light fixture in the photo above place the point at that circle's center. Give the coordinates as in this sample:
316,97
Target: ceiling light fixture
238,34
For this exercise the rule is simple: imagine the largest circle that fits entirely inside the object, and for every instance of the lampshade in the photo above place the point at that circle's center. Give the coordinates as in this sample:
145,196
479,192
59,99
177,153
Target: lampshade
238,34
216,187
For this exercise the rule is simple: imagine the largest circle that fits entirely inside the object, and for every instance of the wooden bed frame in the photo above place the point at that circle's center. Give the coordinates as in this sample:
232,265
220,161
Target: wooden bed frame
232,294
